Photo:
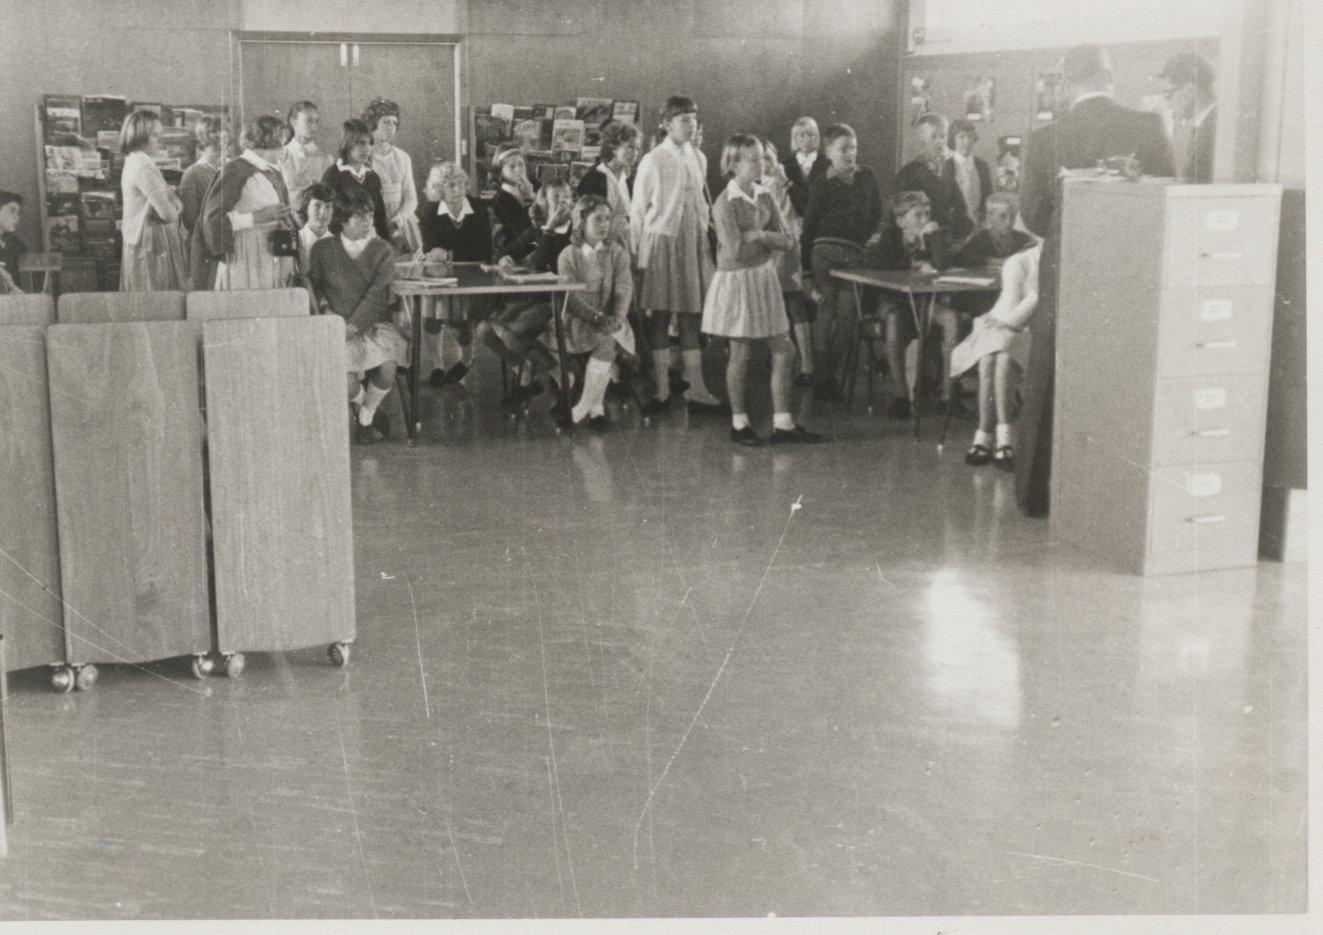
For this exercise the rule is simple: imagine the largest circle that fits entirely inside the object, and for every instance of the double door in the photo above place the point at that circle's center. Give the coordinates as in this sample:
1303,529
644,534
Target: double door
342,74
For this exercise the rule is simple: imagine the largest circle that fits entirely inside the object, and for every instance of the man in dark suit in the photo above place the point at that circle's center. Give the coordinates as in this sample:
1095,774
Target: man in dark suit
1192,92
1094,128
927,173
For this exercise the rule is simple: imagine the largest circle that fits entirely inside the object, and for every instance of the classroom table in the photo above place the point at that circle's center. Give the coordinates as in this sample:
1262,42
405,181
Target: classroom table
473,280
926,287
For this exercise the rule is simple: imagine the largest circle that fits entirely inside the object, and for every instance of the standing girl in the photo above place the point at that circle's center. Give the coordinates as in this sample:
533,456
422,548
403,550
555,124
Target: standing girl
789,265
744,303
393,166
610,177
154,257
668,230
597,320
213,145
354,167
302,163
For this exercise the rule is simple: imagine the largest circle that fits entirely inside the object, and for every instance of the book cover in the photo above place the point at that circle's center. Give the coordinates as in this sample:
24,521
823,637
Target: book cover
94,205
523,112
503,112
544,111
61,182
625,111
593,111
577,171
62,233
565,113
63,119
553,172
533,134
62,205
489,128
103,112
567,136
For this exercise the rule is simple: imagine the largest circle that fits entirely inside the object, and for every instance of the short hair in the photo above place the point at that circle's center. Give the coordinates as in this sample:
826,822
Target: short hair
585,206
1087,63
444,170
835,132
504,157
905,201
318,191
802,123
207,131
378,108
7,198
299,107
769,147
353,132
1007,200
264,132
1191,67
541,210
736,144
136,132
675,106
351,200
958,126
931,119
617,134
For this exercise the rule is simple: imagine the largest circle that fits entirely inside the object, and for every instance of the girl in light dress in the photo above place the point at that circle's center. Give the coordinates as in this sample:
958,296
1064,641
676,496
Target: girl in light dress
399,192
744,302
302,162
248,206
154,258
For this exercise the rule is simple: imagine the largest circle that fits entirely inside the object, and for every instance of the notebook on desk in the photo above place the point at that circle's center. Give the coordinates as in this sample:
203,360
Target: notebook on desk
965,279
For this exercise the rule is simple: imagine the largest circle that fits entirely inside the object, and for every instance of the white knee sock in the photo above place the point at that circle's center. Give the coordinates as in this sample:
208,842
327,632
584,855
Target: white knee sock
373,398
595,377
661,366
982,438
446,350
693,372
739,420
1004,434
783,421
357,398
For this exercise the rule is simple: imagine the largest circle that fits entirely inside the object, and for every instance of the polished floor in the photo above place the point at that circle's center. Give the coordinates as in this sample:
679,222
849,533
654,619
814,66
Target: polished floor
651,674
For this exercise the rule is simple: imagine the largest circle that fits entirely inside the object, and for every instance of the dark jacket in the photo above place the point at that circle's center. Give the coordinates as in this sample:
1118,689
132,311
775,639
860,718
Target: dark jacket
799,184
984,182
944,198
891,252
1199,162
340,181
11,254
516,231
469,242
980,248
1095,128
356,288
594,183
547,247
846,212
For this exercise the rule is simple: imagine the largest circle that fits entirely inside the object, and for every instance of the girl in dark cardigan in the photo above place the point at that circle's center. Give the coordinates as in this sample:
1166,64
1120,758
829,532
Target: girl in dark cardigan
354,167
514,232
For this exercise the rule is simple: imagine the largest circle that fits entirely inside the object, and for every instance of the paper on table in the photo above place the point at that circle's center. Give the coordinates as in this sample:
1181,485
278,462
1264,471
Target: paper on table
966,280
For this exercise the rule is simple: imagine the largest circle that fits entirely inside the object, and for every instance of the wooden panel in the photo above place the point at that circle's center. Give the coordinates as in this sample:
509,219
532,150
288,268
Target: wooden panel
278,443
30,613
6,800
27,309
87,308
421,79
247,303
128,480
535,17
276,74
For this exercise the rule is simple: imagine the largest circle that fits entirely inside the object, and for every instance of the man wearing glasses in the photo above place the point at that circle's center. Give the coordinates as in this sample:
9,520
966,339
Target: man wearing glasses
1191,90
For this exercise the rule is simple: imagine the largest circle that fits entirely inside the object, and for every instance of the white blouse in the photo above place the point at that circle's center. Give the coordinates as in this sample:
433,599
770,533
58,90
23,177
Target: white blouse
258,192
668,178
142,187
398,190
1019,289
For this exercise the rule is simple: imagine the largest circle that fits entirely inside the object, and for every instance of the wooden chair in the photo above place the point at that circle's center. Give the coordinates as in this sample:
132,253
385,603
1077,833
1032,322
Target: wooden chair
26,309
95,308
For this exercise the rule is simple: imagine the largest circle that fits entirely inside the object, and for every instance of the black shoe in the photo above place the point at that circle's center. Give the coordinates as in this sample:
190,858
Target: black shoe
1004,459
803,379
828,391
597,424
363,434
798,435
381,423
677,382
656,407
437,379
456,373
746,437
899,408
696,408
615,391
978,455
534,388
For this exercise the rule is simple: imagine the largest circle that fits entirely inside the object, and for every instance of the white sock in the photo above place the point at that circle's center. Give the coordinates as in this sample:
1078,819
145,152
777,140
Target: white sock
661,367
1004,434
693,372
357,398
783,421
982,438
595,377
374,396
615,372
739,420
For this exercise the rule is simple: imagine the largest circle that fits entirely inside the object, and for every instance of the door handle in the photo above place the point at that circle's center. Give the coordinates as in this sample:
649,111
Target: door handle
1212,433
344,55
355,61
1209,518
1220,255
1215,345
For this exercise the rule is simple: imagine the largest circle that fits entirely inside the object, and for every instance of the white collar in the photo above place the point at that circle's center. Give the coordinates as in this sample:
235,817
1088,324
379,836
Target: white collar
1203,114
806,159
603,168
588,249
305,229
465,211
252,158
563,229
296,148
506,187
355,247
359,174
734,191
962,160
678,147
1089,94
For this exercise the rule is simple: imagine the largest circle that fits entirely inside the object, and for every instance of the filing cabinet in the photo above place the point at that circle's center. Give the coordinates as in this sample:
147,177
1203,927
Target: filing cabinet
1164,328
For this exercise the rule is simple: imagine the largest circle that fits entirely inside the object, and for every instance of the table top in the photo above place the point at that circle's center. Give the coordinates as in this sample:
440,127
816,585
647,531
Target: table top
914,282
473,281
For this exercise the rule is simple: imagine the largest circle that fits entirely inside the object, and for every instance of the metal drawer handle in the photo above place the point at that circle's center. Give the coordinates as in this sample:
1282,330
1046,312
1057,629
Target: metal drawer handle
1212,433
1219,255
1215,345
1209,518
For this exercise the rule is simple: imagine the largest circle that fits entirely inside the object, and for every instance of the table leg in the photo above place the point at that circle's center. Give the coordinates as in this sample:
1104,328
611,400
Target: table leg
413,424
558,316
920,333
852,353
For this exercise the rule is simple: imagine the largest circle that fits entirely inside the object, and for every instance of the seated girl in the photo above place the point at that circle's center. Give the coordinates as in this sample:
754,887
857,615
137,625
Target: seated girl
997,341
512,331
511,208
596,322
744,301
11,247
351,274
453,229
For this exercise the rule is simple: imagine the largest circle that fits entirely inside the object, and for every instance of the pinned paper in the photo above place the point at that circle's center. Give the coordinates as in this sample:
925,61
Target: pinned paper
1210,397
1222,220
1215,310
1203,485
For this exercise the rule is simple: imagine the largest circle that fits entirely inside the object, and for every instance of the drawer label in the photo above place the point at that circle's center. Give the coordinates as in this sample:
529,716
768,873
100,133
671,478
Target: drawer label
1210,397
1203,485
1215,310
1222,220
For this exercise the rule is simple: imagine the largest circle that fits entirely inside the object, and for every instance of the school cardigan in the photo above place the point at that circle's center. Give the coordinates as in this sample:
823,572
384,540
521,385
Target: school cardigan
469,241
610,283
982,247
193,189
339,178
944,198
845,212
735,213
399,192
143,188
213,235
356,288
515,237
892,252
661,186
800,184
301,165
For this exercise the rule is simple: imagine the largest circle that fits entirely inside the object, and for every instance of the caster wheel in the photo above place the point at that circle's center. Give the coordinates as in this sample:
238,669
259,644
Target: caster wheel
339,654
62,679
234,665
202,667
85,678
